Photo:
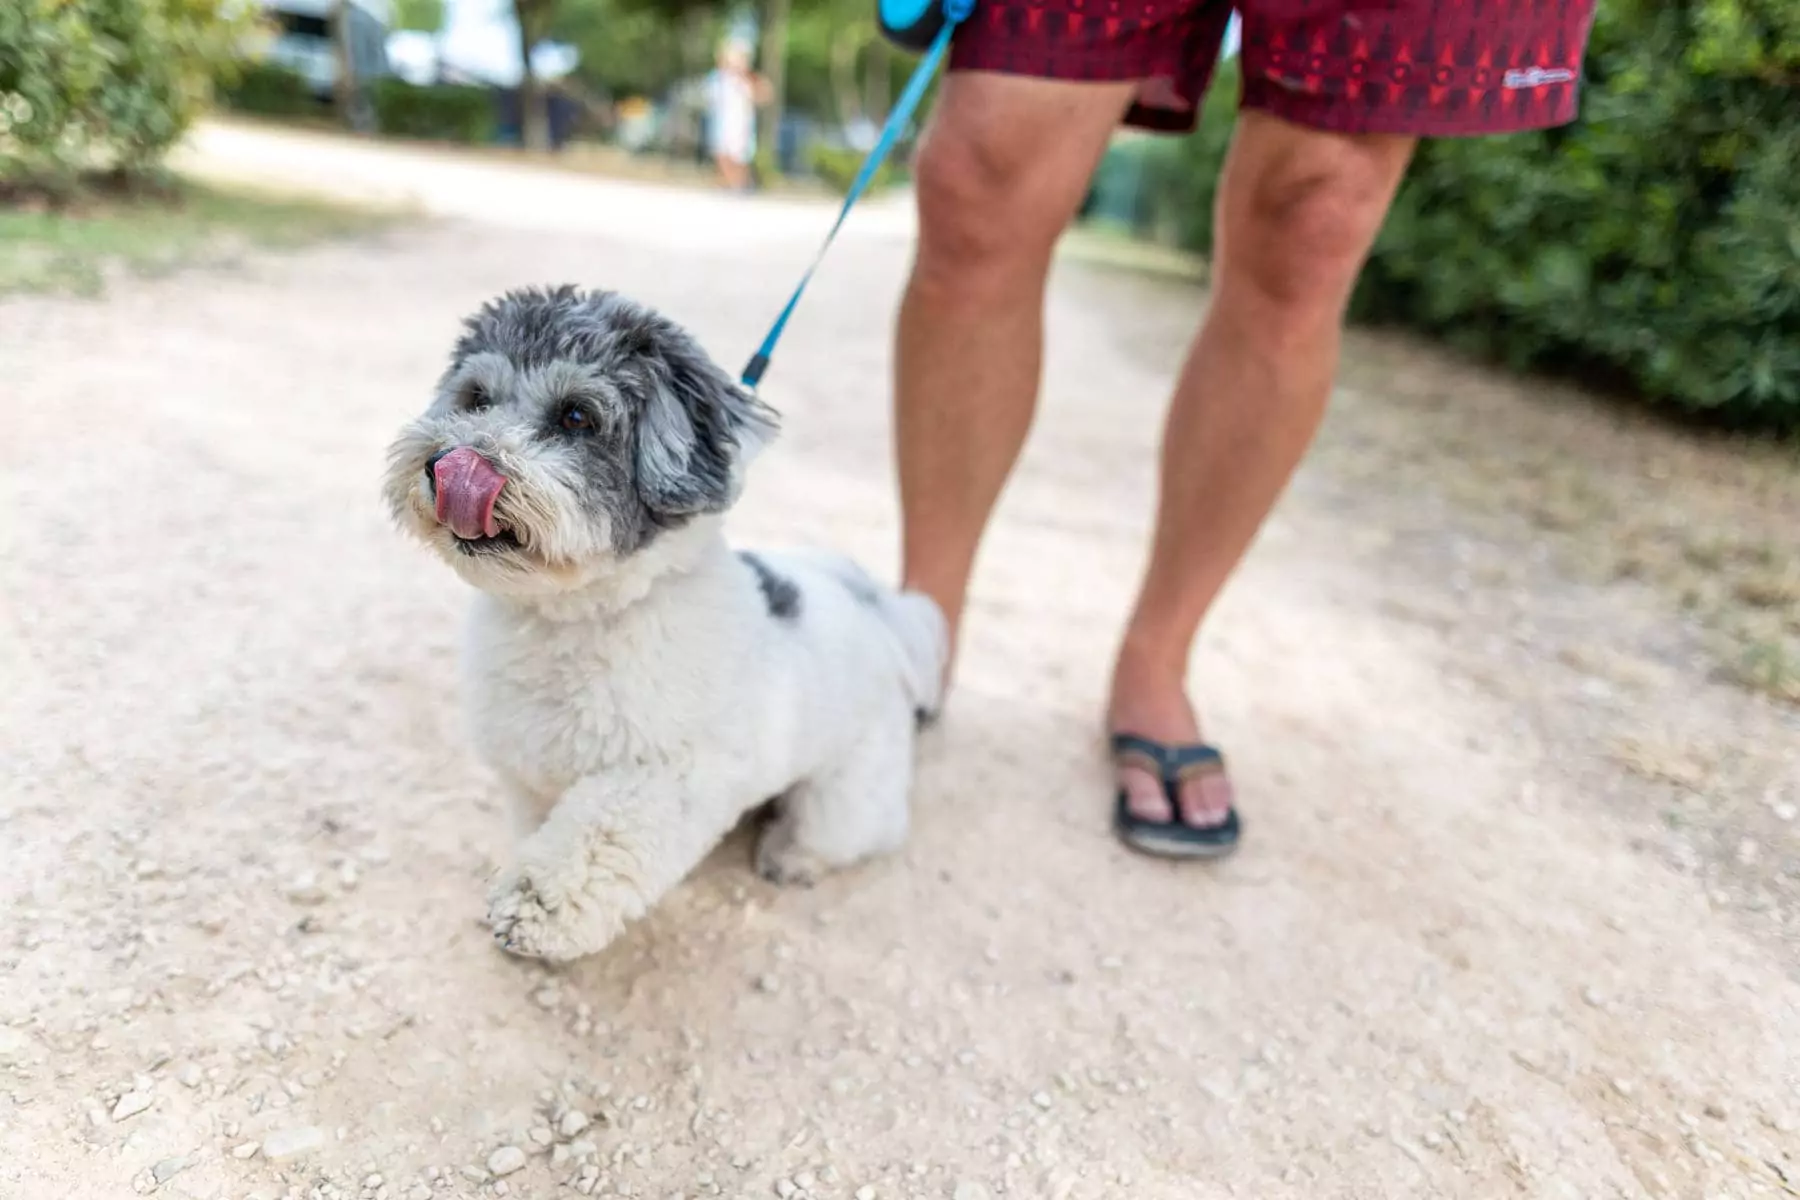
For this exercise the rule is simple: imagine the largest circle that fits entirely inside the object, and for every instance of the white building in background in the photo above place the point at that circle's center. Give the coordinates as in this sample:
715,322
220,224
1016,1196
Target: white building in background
478,44
298,37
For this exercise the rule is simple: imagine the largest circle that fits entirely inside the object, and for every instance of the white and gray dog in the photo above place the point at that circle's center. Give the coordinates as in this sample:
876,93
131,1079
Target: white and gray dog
636,684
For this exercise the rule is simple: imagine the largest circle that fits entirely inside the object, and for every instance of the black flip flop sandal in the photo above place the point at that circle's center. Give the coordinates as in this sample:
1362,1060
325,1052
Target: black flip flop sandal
1173,765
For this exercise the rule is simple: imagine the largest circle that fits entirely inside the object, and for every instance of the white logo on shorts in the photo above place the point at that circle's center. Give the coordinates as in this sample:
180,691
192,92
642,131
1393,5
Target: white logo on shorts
1537,77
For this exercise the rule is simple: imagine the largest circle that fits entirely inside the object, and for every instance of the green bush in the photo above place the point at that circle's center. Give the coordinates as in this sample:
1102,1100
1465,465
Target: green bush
90,85
1181,185
838,165
445,112
1655,243
270,90
1657,240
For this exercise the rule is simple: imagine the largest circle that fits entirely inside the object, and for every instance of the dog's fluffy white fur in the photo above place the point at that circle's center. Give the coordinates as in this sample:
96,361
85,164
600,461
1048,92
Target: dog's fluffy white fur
636,684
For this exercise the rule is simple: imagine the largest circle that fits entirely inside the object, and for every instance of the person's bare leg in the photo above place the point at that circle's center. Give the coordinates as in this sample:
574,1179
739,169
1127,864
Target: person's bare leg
1002,170
1298,210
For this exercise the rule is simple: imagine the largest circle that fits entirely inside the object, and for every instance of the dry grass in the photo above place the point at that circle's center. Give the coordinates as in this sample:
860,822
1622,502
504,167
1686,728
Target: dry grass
1709,521
73,249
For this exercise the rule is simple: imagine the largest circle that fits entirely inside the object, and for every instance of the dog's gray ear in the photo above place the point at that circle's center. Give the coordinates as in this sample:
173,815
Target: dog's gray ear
697,432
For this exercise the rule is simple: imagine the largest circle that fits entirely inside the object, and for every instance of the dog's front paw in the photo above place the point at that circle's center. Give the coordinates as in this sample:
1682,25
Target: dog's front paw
530,923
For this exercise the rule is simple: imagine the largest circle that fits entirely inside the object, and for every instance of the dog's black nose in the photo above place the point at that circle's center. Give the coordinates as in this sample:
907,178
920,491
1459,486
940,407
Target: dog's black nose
431,471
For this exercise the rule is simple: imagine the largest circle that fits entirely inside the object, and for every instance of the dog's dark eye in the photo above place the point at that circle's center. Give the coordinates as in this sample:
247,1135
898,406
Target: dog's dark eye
476,396
575,419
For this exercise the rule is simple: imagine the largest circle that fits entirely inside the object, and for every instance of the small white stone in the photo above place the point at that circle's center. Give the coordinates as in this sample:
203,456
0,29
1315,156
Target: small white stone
247,1150
865,1192
1785,811
559,1154
572,1123
167,1169
189,1075
582,1148
1041,1099
542,1136
768,983
418,1191
348,877
785,1188
1623,1087
506,1160
1591,997
304,888
131,1104
371,1183
968,1189
284,1144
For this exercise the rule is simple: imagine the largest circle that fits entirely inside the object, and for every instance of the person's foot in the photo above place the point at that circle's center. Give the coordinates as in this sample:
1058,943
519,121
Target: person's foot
1148,700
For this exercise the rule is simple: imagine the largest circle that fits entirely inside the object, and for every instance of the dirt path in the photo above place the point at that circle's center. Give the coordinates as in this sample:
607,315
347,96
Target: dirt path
243,849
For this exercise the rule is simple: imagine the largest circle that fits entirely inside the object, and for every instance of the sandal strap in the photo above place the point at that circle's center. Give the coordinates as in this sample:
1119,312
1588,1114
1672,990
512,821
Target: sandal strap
1166,761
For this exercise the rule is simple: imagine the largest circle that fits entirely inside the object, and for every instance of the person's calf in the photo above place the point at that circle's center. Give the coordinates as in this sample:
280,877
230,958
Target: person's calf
1001,170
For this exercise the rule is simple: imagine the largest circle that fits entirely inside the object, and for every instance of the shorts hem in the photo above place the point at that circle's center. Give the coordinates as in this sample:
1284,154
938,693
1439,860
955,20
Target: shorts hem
1331,114
1102,66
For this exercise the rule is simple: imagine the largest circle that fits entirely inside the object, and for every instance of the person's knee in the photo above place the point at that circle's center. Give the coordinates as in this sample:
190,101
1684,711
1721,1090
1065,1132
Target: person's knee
976,216
1299,224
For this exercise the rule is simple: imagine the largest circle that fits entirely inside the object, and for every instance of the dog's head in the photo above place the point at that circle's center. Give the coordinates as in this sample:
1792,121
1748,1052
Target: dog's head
571,429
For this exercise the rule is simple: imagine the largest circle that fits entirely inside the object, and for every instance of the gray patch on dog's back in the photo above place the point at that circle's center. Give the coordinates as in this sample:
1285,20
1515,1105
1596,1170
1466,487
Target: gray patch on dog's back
779,592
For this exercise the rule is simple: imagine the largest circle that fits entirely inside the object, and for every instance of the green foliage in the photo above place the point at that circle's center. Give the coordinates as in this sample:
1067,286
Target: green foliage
270,90
838,165
1163,188
447,112
1657,240
1655,243
635,47
104,84
419,16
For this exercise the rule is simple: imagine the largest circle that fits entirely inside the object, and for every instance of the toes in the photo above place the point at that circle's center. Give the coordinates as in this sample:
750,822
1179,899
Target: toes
1144,795
1206,801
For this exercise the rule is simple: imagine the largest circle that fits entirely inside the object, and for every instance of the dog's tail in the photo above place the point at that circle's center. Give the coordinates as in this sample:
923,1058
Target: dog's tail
924,640
921,634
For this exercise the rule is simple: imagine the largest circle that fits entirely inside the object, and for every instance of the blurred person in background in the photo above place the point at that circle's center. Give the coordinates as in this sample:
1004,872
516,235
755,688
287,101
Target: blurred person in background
733,94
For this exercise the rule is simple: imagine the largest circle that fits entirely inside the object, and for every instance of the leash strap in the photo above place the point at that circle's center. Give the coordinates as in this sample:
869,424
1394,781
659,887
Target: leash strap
890,133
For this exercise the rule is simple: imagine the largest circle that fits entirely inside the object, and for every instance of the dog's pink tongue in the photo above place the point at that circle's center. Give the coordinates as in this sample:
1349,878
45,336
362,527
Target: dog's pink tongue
467,486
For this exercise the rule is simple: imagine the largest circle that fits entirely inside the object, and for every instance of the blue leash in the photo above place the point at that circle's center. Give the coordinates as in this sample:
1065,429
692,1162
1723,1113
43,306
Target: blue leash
954,13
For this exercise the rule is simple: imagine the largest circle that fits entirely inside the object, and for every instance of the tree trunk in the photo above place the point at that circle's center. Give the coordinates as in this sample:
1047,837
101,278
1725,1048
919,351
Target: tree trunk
878,82
344,85
534,118
774,69
843,74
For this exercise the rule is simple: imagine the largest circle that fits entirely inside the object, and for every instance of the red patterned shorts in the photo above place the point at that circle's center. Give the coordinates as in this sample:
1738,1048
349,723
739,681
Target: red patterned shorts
1430,68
